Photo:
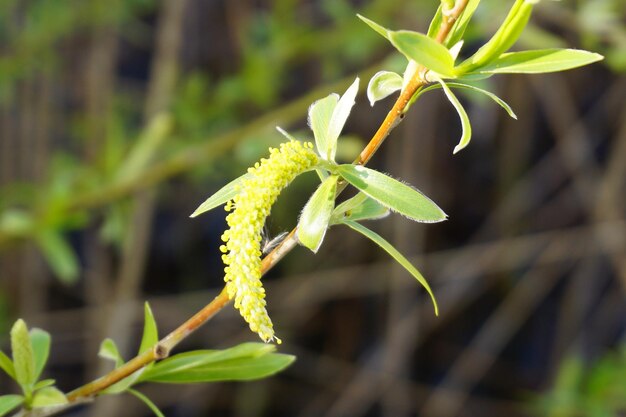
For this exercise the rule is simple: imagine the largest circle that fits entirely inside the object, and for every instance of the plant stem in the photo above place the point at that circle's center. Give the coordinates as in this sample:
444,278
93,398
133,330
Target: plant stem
162,349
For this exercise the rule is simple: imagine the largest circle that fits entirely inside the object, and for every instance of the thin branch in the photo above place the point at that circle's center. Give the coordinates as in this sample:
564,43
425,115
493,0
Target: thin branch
162,348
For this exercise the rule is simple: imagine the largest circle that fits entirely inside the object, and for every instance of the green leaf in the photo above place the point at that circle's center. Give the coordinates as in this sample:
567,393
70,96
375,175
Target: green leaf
221,196
382,31
6,364
376,238
424,50
540,61
466,127
359,207
316,213
435,23
458,30
489,94
150,333
59,255
383,84
109,350
320,114
147,401
23,359
506,35
9,402
244,362
40,340
338,120
43,384
48,396
392,193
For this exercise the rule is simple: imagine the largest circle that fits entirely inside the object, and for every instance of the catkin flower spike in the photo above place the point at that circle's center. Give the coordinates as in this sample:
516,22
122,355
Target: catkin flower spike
250,207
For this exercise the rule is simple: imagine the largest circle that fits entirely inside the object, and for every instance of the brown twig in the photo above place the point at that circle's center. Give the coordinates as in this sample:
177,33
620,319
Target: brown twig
163,347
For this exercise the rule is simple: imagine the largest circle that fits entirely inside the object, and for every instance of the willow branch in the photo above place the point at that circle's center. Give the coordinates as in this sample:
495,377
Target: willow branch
162,349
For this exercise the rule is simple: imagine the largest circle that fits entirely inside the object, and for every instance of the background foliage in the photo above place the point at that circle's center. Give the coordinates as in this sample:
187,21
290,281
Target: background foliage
117,118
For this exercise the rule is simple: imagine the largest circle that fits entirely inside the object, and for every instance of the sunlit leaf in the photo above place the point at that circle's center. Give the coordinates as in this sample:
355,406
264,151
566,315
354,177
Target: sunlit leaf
339,117
320,115
466,127
540,61
315,216
147,401
435,23
43,384
23,358
383,84
40,340
392,193
59,255
382,31
424,50
506,35
150,333
221,196
455,49
376,238
489,94
48,396
458,30
6,364
359,207
243,362
109,350
9,402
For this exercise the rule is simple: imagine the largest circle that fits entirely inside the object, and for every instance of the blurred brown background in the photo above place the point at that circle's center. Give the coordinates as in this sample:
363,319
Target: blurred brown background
117,118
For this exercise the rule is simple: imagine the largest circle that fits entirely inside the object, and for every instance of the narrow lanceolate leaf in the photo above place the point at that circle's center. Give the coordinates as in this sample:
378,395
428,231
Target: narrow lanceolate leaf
435,23
382,31
359,207
59,255
150,334
424,50
244,362
466,127
43,384
489,94
7,365
458,30
320,114
392,193
48,396
315,217
383,84
147,401
9,402
388,247
338,120
23,358
221,196
40,340
109,350
540,61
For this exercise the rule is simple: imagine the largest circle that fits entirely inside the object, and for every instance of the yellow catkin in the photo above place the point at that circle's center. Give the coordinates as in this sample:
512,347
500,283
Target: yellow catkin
250,207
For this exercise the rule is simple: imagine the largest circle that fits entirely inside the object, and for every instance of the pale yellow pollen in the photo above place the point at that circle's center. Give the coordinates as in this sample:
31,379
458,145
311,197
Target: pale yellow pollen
250,207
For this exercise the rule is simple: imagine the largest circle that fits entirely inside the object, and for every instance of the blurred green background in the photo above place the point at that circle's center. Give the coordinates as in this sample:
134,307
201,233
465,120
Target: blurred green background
118,117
